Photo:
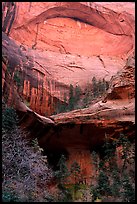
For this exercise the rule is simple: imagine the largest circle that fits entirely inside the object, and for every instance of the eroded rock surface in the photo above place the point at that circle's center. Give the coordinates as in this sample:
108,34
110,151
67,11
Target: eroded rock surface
55,44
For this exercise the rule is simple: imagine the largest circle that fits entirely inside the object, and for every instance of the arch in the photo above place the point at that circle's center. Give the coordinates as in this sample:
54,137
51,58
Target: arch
103,19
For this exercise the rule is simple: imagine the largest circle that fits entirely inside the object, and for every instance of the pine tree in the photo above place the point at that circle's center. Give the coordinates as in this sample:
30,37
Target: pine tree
112,180
71,98
75,171
100,87
77,93
65,98
63,171
94,87
24,169
62,177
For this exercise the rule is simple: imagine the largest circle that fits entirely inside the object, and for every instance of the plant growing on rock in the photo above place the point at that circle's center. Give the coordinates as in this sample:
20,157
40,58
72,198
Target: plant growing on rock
113,182
71,98
61,176
77,99
17,78
24,170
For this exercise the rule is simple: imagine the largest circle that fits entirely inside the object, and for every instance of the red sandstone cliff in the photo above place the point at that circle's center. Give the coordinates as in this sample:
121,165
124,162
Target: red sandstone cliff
54,44
63,46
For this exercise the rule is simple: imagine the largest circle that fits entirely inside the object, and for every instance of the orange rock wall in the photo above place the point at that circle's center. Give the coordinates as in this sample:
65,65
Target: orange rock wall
55,44
69,46
87,29
84,160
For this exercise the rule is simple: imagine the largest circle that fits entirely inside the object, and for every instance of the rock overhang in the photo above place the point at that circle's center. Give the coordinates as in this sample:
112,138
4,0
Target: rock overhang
84,135
91,13
78,132
49,17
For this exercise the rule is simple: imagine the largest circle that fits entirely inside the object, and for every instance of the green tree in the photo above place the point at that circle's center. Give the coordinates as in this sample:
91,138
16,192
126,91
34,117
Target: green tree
129,192
71,98
113,180
75,171
24,170
65,98
95,87
109,149
100,87
9,118
105,85
103,183
78,93
62,177
63,172
61,107
88,96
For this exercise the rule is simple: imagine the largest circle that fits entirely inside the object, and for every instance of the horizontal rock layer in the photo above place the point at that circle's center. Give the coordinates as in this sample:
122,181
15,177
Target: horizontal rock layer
61,43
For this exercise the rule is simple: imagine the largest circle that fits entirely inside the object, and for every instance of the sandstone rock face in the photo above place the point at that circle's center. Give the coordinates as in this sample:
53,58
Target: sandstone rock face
70,46
55,44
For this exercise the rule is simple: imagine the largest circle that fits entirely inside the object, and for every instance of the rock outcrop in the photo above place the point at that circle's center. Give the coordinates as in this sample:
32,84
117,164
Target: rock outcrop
64,46
78,132
54,44
62,26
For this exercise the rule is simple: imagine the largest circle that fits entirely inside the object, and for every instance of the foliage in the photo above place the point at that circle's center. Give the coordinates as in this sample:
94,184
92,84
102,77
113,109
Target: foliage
60,107
9,119
79,99
109,149
129,192
17,78
67,192
114,180
94,87
94,90
71,98
24,170
9,197
109,182
78,93
75,171
63,172
62,177
74,97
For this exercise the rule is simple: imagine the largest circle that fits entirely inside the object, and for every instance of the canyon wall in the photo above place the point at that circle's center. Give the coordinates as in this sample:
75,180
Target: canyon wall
67,43
49,45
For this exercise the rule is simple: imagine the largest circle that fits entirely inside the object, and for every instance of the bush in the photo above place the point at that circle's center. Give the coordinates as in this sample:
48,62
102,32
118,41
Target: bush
17,78
24,170
113,180
78,100
9,119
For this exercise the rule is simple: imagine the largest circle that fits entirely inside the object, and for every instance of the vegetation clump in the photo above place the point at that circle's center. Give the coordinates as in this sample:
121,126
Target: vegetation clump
24,170
113,180
81,99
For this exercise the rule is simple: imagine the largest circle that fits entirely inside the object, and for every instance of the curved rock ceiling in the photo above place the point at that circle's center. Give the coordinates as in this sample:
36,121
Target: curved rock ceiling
63,43
70,42
62,26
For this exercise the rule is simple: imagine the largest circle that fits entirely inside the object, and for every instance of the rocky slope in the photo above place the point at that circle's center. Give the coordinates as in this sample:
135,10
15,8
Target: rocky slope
54,44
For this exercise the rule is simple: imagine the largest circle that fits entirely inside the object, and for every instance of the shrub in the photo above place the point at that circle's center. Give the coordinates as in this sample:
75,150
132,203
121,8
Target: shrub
77,99
24,170
17,78
9,119
112,181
